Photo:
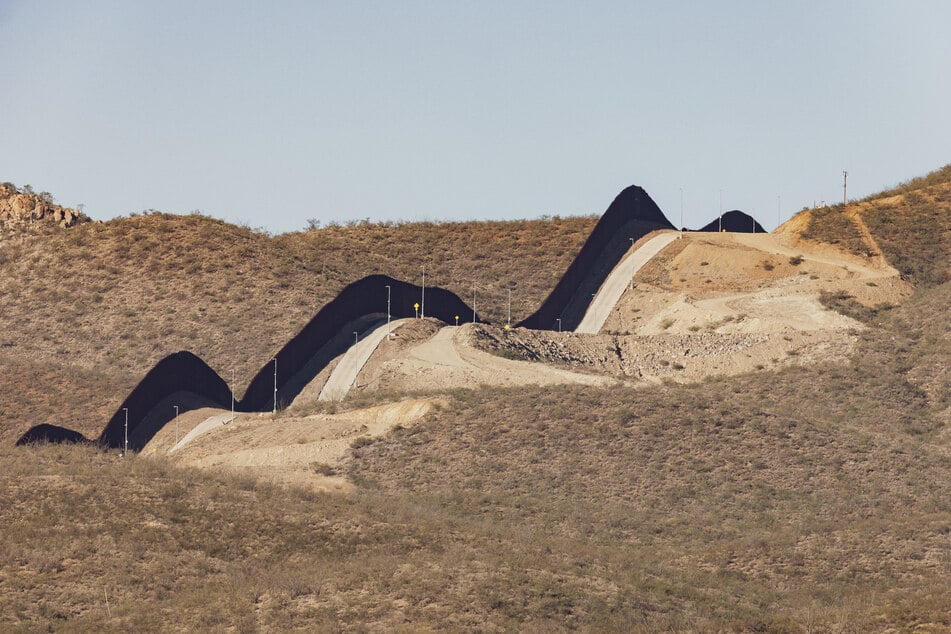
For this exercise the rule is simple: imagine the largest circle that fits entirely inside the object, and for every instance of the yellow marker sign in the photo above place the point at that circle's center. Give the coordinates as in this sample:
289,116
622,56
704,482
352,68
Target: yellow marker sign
507,327
416,305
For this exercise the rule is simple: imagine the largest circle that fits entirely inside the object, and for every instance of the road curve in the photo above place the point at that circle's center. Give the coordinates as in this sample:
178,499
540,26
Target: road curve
344,375
613,287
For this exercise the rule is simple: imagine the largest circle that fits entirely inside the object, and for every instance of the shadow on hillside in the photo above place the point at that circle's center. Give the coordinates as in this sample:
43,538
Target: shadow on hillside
194,384
734,221
185,380
632,215
51,434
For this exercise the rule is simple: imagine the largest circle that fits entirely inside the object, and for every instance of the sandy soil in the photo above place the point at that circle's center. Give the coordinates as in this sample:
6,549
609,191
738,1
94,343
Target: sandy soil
448,360
305,451
707,305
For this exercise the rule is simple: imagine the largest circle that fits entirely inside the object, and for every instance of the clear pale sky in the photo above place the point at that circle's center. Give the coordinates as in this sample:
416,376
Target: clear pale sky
270,113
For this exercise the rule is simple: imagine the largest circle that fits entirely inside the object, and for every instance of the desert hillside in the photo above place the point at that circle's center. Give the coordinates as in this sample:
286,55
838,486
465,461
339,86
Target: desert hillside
94,307
755,435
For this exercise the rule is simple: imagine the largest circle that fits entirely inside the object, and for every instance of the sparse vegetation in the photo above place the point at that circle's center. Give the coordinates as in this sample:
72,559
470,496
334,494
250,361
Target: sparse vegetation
832,225
846,304
160,283
813,498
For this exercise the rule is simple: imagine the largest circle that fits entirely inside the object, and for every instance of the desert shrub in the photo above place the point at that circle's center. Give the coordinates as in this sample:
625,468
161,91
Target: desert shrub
832,225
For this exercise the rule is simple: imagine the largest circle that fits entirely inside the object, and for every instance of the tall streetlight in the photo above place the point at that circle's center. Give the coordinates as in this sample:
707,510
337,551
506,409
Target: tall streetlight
681,212
422,303
508,321
356,337
632,282
559,324
275,385
473,305
176,423
388,309
125,443
720,221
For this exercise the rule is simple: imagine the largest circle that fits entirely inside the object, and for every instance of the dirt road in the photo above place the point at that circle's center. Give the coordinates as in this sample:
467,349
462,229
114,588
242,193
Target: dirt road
614,286
345,372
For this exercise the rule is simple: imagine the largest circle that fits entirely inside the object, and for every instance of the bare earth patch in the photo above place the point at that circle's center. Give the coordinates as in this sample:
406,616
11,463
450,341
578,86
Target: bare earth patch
306,451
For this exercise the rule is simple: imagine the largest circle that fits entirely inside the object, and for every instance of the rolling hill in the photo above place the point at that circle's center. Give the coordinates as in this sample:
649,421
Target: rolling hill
812,497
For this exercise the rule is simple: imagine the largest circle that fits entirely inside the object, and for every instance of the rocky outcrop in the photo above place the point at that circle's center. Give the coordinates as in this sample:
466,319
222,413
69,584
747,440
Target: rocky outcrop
22,210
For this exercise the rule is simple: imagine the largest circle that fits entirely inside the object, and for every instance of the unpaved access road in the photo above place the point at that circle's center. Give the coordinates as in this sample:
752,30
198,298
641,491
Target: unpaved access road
614,286
345,372
449,360
305,451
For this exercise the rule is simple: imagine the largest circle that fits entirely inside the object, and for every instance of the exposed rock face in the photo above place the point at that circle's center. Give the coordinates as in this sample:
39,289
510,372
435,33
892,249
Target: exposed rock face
22,209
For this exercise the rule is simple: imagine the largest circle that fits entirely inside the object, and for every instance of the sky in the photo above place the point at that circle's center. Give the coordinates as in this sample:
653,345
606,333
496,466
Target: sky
270,114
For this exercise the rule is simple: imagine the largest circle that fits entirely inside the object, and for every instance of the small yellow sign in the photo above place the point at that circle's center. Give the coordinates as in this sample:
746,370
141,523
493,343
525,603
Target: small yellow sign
416,305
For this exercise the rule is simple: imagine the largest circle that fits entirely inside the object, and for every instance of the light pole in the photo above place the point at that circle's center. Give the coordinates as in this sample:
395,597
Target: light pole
681,212
232,397
176,423
559,324
275,385
632,277
508,321
720,221
845,181
422,303
473,304
125,443
388,309
356,337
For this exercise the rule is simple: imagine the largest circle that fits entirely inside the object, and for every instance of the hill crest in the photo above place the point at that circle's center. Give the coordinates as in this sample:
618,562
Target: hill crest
23,210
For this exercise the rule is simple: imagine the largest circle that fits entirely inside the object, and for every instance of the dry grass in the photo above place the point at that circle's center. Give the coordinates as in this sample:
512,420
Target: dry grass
759,503
832,226
121,295
808,500
813,499
914,231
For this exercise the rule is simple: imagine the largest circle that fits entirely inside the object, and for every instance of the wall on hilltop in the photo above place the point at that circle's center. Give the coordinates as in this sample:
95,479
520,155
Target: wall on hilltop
178,372
362,298
632,215
734,221
185,373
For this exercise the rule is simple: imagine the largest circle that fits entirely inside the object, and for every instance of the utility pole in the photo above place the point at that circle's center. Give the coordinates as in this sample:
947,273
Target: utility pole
845,181
275,386
681,212
632,281
125,443
422,304
720,221
508,321
388,309
176,423
473,305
